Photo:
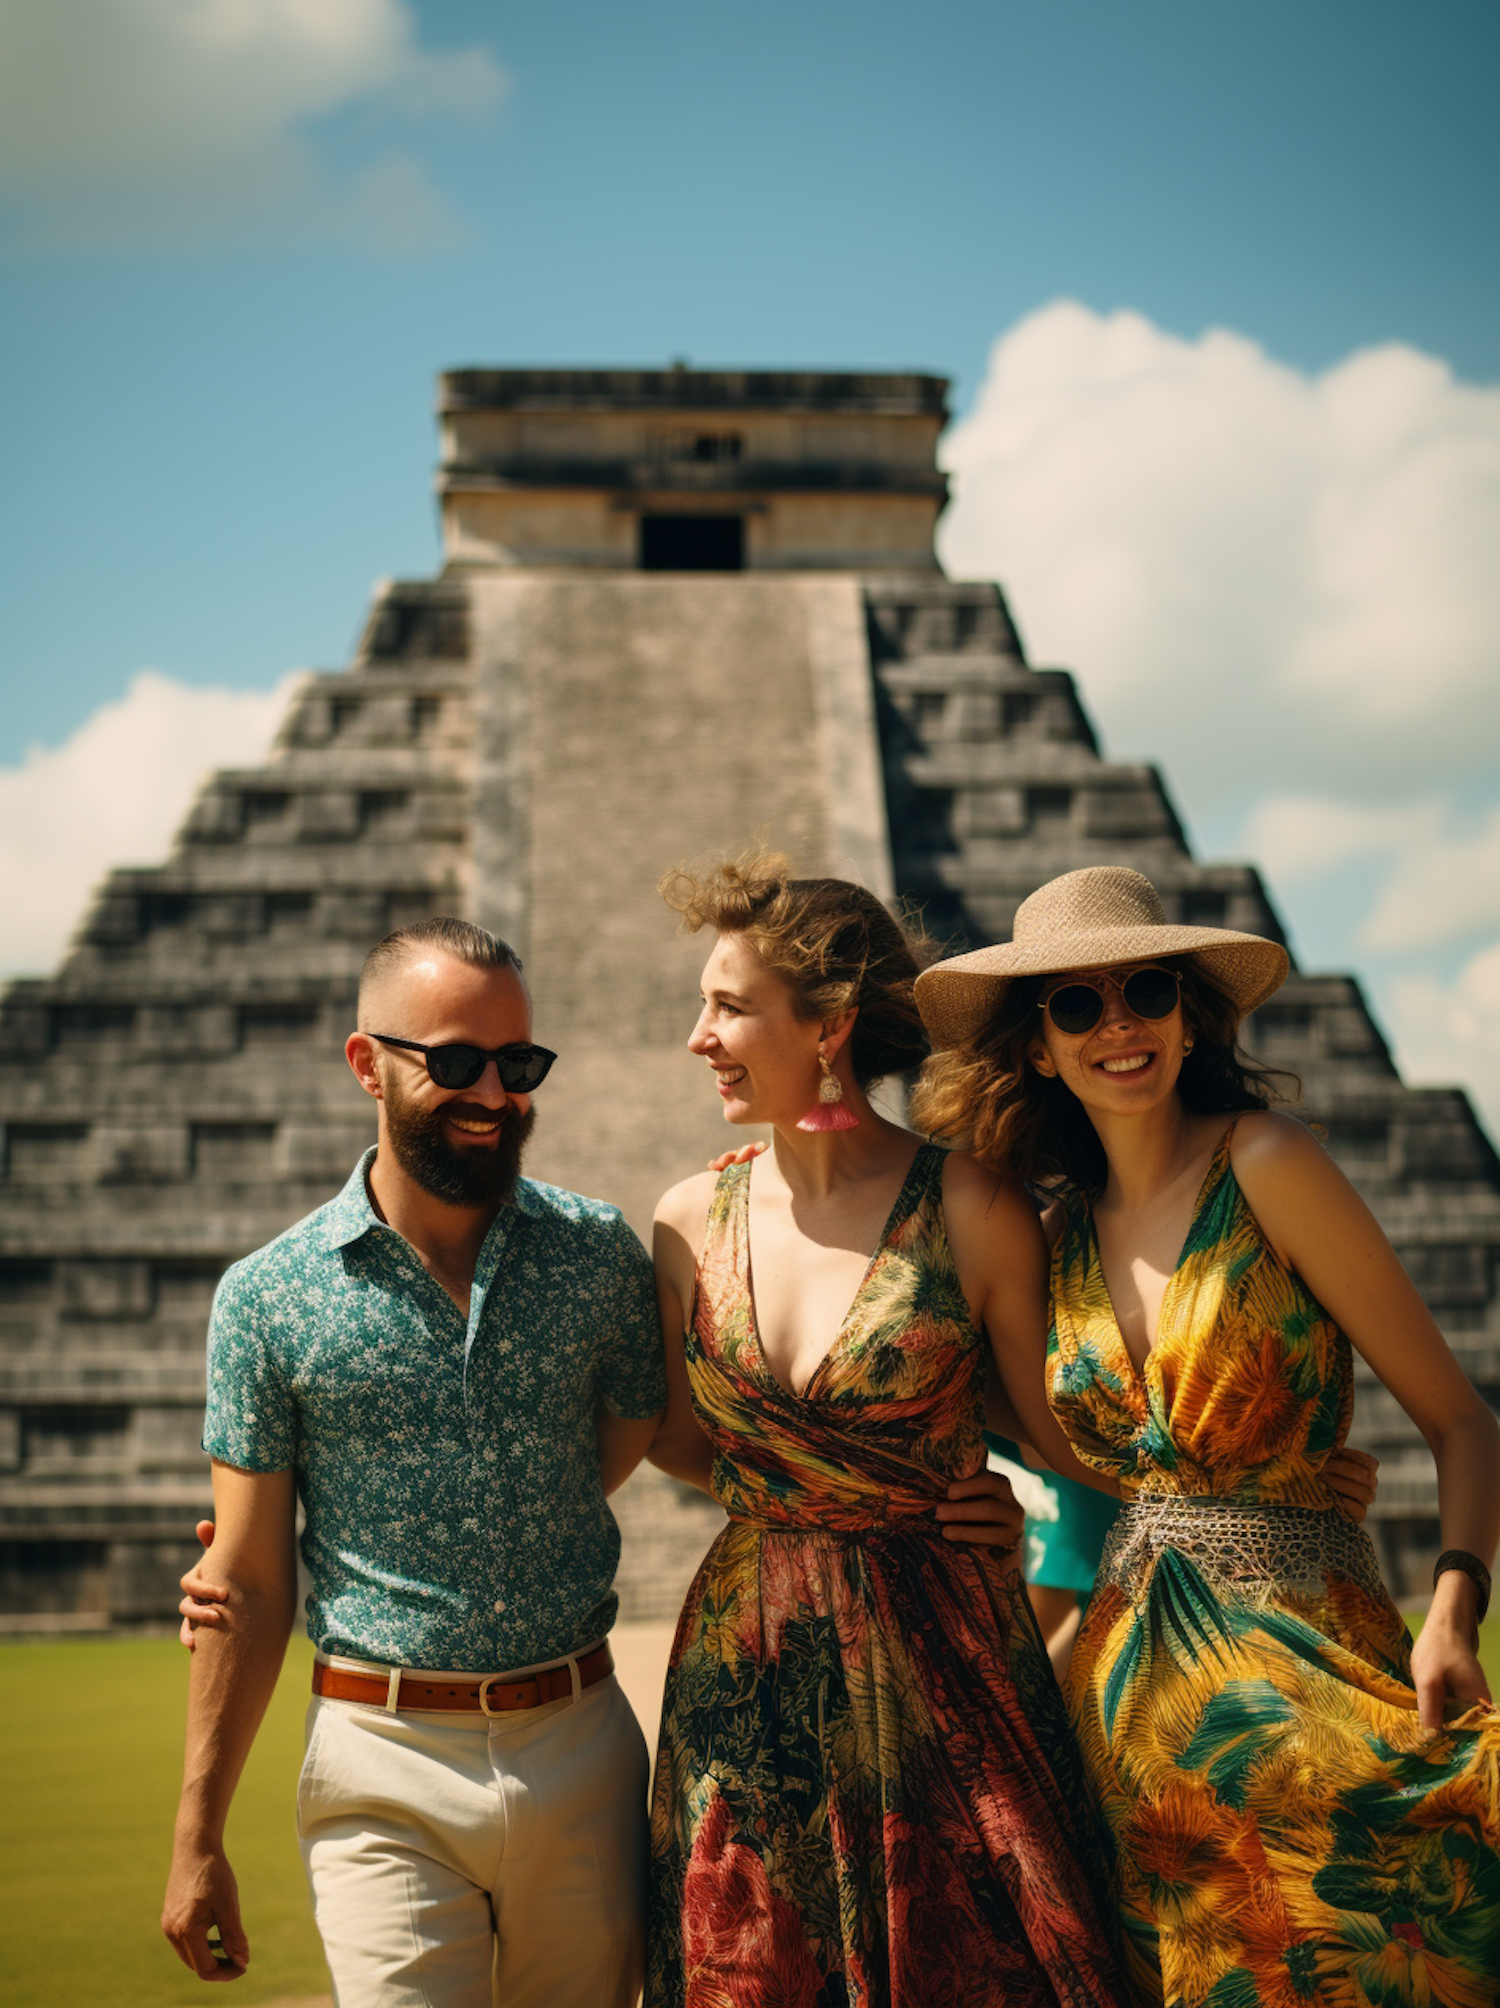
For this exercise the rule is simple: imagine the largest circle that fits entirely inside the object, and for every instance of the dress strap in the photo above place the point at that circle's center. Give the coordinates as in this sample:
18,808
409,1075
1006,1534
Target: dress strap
724,1265
924,1181
1220,1171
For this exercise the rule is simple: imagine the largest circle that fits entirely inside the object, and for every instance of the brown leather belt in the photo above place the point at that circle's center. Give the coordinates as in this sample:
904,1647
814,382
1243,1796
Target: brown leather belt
492,1694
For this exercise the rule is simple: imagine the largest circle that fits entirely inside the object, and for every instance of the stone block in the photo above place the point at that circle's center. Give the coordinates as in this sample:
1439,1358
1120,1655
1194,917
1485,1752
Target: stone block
153,1154
47,1153
101,1289
327,816
215,817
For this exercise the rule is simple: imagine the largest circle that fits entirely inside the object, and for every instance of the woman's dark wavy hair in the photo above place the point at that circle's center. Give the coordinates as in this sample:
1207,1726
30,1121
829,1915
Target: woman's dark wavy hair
833,943
986,1096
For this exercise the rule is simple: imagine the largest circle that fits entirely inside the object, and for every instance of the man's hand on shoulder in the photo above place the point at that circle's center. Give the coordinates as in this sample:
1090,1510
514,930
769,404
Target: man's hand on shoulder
746,1153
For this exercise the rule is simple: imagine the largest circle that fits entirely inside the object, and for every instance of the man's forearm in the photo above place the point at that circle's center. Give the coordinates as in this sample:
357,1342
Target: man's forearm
684,1454
622,1445
232,1678
233,1673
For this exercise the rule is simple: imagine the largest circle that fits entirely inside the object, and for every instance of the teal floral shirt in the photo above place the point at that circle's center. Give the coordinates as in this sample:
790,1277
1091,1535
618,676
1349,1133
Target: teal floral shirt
455,1513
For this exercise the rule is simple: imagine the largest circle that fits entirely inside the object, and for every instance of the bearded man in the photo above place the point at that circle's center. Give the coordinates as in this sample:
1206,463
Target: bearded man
452,1365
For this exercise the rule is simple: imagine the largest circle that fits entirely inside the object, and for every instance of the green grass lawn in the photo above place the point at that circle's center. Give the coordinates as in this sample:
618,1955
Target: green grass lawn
91,1759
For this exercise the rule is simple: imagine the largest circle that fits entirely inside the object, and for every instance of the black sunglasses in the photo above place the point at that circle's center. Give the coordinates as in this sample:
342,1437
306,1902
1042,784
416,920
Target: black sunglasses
1078,1007
522,1068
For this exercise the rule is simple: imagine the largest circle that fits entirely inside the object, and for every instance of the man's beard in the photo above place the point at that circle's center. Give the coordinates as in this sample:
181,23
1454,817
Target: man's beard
479,1175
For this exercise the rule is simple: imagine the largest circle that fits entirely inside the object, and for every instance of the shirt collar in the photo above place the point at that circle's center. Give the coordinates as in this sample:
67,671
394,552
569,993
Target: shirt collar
351,1215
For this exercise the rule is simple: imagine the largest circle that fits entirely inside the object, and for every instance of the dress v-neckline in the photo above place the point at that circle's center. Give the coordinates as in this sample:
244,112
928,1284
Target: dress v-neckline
804,1393
1141,1370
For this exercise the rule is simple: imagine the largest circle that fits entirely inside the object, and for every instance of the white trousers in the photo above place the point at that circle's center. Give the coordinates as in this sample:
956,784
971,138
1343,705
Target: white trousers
460,1861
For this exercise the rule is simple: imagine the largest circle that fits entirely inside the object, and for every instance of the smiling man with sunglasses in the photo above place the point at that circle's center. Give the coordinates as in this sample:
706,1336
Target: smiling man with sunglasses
451,1365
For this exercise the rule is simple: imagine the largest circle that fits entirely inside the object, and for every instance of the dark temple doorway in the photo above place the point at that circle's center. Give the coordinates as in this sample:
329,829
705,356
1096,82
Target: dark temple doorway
692,543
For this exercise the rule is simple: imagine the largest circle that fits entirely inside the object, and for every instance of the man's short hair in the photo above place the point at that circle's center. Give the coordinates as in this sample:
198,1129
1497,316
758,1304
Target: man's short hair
459,938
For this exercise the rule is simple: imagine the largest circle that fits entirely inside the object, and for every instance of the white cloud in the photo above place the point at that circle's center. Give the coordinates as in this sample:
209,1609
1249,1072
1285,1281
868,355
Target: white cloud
1299,837
1439,876
113,794
1439,891
1284,589
170,120
1266,579
1451,1031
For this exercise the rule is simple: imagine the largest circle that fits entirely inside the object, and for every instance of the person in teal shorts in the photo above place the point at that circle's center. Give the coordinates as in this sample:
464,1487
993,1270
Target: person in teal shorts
1066,1524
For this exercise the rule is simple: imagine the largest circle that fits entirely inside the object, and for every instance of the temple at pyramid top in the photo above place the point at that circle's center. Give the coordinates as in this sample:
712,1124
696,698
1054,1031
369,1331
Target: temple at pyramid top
684,470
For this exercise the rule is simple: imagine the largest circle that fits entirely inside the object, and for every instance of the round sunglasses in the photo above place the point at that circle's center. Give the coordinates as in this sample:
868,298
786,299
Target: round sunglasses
522,1068
1078,1006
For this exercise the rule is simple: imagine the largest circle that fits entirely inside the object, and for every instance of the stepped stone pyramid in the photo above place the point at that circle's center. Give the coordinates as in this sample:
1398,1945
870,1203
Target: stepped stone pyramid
678,609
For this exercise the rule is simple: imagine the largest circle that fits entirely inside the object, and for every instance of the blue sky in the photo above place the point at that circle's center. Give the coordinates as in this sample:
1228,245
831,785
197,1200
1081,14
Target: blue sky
211,450
229,279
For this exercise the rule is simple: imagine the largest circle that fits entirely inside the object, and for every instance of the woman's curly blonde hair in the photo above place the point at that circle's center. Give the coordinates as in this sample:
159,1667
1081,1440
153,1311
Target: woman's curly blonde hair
833,943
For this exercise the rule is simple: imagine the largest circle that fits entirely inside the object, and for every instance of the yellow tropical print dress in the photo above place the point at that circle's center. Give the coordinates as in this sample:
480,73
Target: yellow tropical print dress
1286,1831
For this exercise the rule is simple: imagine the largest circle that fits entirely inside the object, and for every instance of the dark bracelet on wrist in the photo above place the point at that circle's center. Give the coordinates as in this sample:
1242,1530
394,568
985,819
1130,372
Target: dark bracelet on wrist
1472,1567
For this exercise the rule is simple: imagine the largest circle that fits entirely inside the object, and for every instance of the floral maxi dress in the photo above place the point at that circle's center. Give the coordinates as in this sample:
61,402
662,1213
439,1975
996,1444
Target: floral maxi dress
866,1791
1286,1832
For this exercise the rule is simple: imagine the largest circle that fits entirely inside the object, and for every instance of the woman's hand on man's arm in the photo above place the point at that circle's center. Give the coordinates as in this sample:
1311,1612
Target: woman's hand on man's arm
203,1599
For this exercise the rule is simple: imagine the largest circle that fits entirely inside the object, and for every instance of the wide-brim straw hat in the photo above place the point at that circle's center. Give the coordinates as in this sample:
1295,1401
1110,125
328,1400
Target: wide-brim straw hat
1090,919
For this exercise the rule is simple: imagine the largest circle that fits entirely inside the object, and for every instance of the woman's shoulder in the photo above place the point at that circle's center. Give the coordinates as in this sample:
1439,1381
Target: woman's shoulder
974,1193
685,1205
1264,1141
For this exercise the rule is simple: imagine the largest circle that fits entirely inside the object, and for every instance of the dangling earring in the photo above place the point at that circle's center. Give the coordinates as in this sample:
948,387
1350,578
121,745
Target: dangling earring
828,1111
1187,1047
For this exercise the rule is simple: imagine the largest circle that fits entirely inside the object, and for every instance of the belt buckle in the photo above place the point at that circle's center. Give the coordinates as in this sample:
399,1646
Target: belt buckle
498,1680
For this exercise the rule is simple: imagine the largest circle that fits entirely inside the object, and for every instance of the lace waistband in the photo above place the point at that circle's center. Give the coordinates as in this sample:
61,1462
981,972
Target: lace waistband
1293,1549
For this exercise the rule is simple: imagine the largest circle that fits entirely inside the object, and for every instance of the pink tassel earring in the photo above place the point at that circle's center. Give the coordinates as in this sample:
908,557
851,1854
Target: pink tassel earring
828,1111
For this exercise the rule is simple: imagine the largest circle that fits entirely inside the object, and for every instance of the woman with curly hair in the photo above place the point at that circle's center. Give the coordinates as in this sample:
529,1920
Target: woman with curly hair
866,1791
1304,1806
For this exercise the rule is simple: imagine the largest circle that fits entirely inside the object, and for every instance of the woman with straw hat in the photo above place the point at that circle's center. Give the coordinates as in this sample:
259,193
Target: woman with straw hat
1304,1806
